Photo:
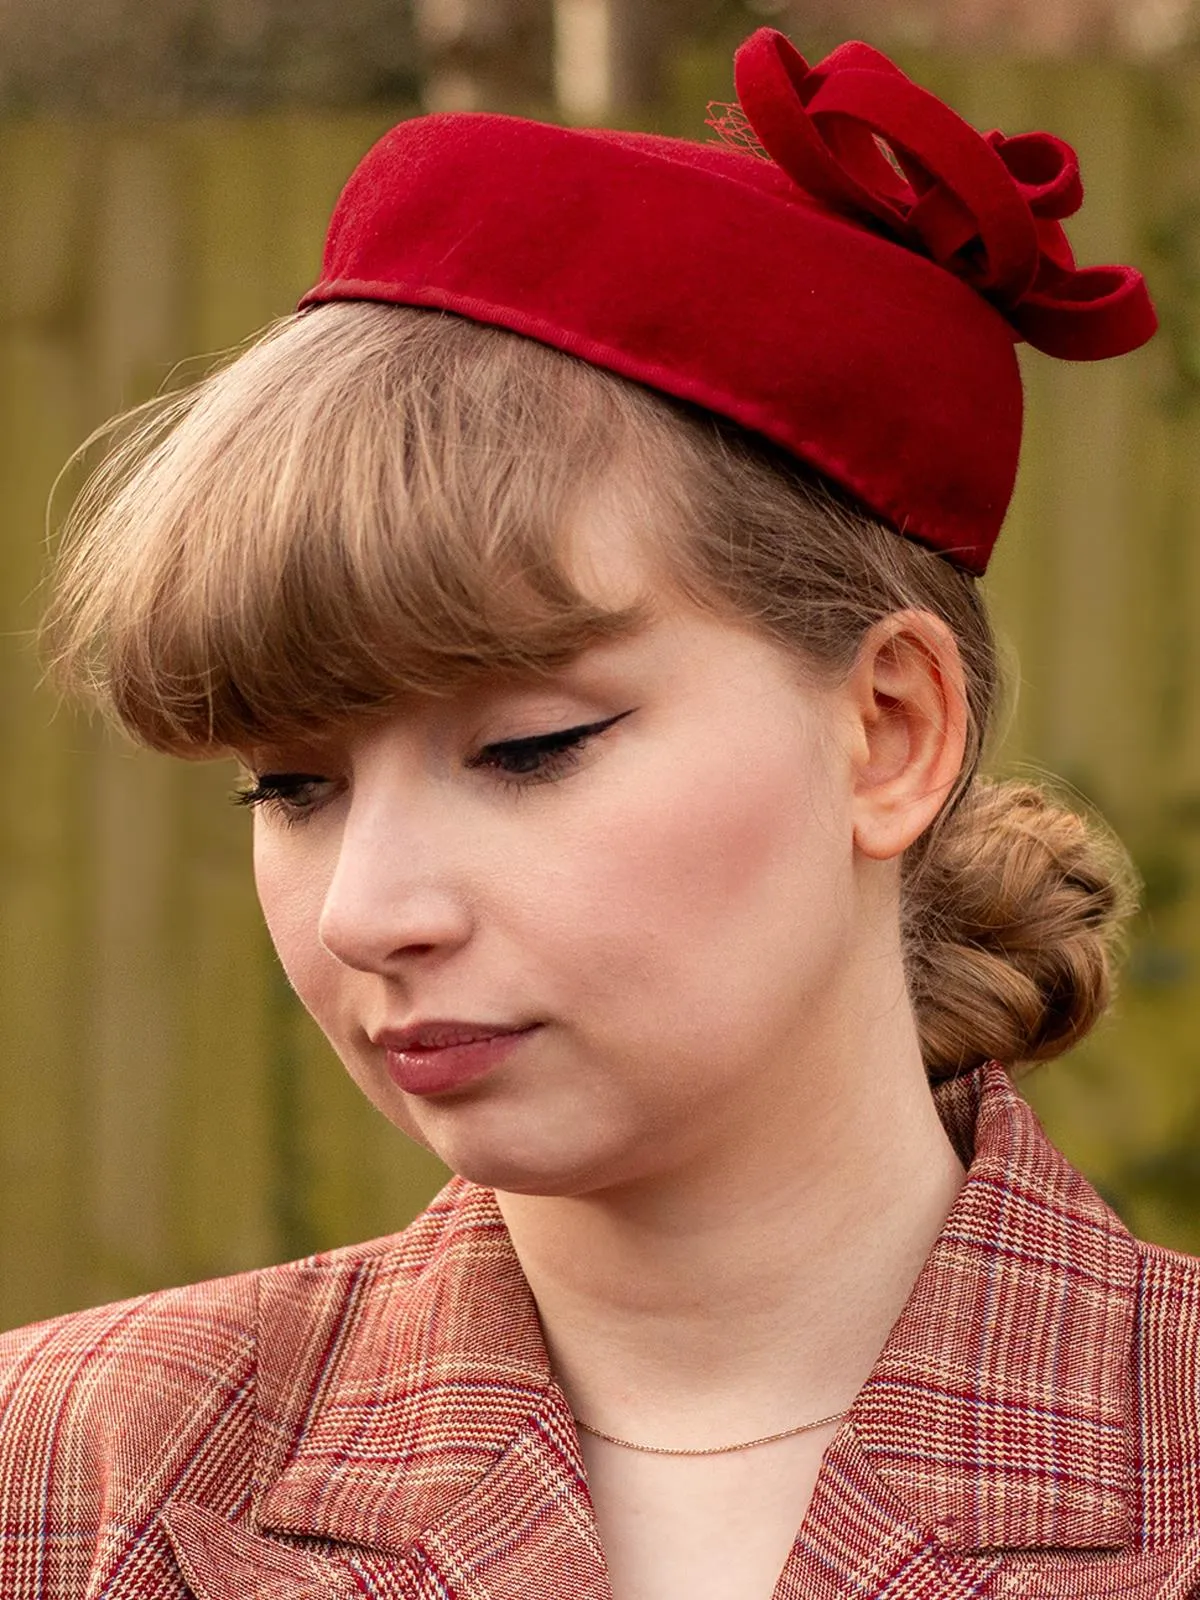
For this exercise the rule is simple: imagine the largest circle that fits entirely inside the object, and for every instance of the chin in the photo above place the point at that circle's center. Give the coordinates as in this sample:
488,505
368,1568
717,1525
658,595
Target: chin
522,1174
499,1152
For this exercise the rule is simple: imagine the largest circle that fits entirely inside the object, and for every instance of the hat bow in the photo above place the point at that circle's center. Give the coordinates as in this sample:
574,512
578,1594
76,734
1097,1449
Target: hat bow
866,142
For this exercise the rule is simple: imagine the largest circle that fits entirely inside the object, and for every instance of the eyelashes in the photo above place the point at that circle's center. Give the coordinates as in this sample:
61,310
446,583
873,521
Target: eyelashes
518,764
541,758
277,795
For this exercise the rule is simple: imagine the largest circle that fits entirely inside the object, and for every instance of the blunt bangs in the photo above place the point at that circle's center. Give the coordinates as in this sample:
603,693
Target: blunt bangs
370,502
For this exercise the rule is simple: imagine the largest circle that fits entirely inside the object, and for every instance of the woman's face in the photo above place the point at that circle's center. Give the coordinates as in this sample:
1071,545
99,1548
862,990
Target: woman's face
672,900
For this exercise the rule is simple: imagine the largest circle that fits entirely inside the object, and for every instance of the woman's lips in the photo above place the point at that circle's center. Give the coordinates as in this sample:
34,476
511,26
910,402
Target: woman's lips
448,1067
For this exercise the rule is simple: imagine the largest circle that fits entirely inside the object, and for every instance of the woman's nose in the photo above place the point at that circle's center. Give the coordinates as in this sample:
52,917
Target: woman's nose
395,893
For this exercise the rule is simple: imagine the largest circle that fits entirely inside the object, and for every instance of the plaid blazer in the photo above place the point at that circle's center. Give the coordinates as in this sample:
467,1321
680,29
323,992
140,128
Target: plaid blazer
381,1421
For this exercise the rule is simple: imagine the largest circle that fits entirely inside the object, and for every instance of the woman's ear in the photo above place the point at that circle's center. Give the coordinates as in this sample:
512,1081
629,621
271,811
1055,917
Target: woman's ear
909,707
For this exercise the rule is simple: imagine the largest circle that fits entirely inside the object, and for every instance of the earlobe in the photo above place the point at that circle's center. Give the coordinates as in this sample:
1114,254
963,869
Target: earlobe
910,704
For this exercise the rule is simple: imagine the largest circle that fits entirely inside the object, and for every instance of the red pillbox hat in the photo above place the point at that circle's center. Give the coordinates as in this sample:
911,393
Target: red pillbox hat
846,271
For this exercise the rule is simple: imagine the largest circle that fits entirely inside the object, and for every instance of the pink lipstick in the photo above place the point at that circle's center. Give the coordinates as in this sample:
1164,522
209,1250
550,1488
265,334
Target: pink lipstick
437,1058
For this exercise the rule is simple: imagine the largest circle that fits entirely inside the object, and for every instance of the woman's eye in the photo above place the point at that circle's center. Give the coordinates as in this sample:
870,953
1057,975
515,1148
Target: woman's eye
283,794
519,763
543,757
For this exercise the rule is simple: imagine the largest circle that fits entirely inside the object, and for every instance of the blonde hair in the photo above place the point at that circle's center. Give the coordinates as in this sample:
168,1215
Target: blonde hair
371,501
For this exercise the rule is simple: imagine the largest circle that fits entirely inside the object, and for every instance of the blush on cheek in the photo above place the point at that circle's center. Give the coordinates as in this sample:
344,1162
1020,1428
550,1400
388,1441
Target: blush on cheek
723,839
726,878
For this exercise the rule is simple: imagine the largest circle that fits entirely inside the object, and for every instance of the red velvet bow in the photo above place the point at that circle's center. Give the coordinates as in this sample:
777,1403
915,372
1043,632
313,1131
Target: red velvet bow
986,207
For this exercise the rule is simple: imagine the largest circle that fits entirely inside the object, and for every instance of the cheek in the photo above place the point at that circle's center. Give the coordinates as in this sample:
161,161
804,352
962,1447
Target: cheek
291,888
704,878
291,877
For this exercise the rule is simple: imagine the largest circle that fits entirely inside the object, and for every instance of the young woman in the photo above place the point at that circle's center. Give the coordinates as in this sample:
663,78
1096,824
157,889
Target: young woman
586,579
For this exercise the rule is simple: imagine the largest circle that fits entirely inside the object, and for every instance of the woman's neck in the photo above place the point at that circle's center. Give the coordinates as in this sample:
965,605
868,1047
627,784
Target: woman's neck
755,1290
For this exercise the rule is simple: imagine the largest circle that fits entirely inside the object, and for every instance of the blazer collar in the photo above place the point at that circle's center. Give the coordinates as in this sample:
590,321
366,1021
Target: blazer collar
406,1389
999,1409
390,1385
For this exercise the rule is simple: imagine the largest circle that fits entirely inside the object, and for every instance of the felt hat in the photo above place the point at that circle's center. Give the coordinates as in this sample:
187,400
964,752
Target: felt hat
845,268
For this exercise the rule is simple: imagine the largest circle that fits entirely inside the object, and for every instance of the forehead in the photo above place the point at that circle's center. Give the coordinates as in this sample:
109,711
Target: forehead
609,551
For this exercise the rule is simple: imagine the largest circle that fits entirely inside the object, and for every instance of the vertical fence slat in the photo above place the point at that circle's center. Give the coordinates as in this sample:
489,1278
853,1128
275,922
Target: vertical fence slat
138,933
225,1166
43,1001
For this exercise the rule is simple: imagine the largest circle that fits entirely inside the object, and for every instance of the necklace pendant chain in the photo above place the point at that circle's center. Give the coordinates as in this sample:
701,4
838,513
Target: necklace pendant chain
716,1450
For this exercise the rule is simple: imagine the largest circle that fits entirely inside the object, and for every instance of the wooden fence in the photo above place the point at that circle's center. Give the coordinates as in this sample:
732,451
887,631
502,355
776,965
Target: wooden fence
168,1111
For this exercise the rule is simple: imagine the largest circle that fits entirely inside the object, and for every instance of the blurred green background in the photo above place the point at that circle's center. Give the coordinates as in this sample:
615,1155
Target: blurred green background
166,172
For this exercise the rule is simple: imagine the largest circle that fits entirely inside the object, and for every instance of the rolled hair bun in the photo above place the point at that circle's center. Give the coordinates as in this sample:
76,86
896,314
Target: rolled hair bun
1015,910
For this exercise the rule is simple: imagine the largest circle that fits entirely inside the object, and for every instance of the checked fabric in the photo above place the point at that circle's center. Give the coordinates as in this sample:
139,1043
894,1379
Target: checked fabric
381,1421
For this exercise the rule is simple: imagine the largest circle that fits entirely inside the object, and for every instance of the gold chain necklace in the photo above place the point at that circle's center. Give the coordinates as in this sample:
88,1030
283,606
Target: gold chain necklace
718,1450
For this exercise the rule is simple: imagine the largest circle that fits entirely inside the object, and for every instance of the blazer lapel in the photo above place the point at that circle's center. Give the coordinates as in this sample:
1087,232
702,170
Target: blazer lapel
999,1408
503,1538
221,1560
407,1418
860,1539
990,1448
1172,1572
